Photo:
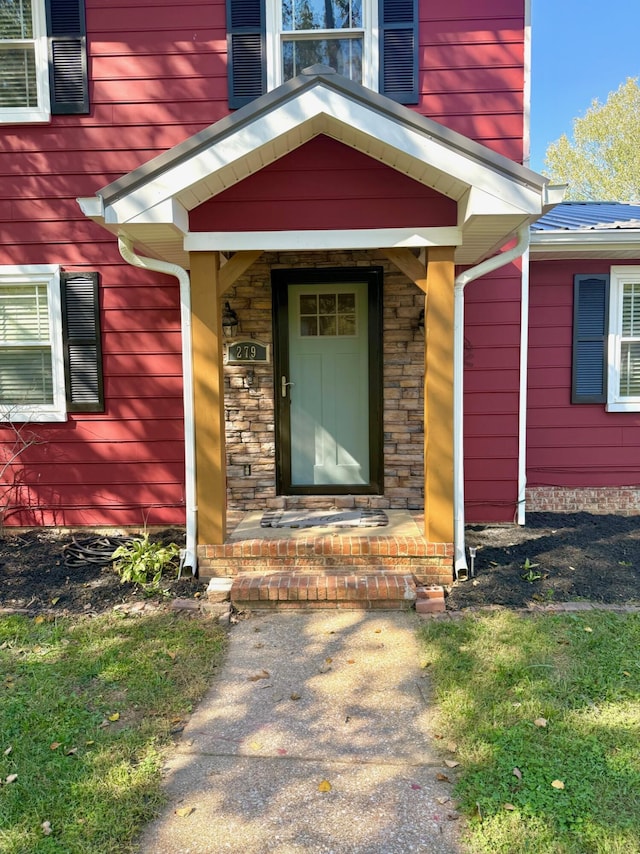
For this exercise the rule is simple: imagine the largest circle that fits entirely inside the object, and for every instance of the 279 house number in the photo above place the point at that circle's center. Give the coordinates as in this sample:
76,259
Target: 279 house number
247,352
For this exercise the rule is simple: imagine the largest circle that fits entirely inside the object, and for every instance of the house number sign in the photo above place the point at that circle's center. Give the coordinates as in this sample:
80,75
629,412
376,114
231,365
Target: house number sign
247,352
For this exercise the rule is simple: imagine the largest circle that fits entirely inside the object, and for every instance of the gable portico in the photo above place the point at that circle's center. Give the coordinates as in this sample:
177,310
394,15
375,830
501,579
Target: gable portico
149,209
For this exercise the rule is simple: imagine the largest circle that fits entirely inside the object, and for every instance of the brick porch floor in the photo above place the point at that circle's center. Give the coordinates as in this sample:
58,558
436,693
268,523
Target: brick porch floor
328,567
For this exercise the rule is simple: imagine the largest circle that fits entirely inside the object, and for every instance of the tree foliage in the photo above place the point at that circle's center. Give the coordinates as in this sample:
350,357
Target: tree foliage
602,160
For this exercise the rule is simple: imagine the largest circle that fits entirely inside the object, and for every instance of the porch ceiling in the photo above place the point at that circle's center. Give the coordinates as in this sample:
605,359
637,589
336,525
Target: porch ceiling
495,196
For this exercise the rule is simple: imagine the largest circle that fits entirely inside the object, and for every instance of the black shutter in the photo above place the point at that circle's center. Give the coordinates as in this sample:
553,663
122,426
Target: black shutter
81,339
246,51
590,328
398,22
68,77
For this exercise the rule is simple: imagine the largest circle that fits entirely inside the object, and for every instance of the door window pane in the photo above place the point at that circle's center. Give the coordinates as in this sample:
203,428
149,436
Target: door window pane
328,315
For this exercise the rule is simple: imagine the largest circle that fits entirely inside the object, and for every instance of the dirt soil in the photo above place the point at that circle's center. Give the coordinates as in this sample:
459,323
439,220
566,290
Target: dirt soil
35,575
554,558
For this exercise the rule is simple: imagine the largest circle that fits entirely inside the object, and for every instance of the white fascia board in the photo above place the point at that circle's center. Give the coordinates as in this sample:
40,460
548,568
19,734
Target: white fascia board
318,111
478,203
584,241
282,241
92,207
167,212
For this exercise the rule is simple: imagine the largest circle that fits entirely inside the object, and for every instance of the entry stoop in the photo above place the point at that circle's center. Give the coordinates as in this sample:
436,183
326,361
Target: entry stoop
334,588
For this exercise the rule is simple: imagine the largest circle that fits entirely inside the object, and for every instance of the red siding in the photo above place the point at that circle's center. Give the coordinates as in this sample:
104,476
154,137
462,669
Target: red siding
324,184
570,445
471,70
491,398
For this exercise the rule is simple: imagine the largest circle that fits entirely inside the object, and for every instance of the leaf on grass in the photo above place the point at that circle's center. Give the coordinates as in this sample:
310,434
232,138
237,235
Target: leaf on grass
450,763
442,778
71,752
264,674
172,655
541,722
626,673
183,812
325,786
508,806
46,828
39,620
55,745
89,743
11,778
8,750
104,724
114,717
588,629
55,600
452,746
557,784
517,773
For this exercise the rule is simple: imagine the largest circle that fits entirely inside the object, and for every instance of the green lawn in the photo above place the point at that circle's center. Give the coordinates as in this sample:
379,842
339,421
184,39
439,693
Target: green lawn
87,709
545,715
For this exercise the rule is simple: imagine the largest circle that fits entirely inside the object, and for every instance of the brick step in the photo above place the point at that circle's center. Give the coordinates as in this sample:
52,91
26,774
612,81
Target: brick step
431,569
340,588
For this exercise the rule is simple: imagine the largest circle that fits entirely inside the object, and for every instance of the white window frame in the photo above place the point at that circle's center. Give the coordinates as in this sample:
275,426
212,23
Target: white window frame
41,113
615,401
49,275
275,37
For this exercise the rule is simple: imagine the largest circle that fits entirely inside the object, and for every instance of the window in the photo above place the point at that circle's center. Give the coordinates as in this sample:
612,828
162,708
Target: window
50,355
373,42
624,340
43,62
31,360
606,339
24,74
326,32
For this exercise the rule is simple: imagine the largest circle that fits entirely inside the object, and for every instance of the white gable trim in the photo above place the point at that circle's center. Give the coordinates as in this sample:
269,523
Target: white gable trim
495,196
285,241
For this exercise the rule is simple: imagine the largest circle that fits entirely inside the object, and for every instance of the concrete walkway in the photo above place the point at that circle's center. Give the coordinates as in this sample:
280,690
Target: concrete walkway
306,702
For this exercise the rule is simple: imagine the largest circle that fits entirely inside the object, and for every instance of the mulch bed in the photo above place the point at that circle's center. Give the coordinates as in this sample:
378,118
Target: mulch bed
554,558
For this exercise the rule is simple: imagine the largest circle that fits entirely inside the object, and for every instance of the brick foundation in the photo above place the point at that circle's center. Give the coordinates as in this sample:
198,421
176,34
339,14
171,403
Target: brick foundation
622,501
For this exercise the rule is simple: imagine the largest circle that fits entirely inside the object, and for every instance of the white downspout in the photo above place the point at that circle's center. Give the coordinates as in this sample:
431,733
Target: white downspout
463,279
126,250
524,369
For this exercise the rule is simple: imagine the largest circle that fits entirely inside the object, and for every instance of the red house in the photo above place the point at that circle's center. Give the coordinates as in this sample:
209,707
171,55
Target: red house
263,255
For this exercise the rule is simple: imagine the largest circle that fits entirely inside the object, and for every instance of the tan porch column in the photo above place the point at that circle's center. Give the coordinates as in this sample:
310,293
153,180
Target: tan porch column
208,391
438,396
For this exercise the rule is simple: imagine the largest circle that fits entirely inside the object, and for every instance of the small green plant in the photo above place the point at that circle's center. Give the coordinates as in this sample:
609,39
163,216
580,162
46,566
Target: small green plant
143,562
529,575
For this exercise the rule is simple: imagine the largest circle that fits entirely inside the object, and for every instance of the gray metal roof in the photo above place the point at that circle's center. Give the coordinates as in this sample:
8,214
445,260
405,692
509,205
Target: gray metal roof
589,216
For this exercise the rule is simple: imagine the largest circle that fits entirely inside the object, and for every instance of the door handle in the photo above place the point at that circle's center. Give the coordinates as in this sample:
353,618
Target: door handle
283,386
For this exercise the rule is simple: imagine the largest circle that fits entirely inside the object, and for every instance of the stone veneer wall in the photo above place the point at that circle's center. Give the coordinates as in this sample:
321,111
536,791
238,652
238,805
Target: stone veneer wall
619,500
249,406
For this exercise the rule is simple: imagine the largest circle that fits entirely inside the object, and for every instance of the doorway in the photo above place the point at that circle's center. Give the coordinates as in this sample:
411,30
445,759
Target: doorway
328,380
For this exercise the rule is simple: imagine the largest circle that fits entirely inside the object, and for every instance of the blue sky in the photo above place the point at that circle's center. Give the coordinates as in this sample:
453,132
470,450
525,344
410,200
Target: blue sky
581,50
